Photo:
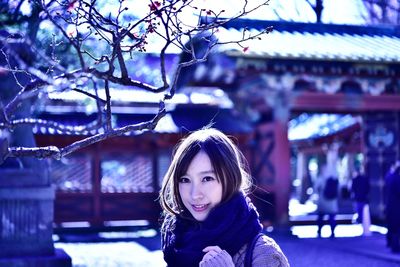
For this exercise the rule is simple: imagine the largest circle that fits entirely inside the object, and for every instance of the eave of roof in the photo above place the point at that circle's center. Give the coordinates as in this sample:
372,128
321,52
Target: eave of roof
314,126
184,116
302,27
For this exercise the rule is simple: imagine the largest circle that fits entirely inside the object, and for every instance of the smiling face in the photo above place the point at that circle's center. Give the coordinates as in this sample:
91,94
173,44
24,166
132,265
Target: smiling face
199,188
207,168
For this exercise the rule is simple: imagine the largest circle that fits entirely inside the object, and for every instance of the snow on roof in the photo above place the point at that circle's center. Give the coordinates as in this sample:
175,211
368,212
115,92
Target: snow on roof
324,42
200,95
308,126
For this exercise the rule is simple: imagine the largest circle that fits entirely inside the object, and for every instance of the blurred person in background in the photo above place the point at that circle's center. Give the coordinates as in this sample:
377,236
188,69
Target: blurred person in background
392,191
327,188
359,193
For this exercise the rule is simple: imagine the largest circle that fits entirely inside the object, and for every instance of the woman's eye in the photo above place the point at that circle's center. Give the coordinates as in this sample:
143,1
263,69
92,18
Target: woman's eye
208,179
184,180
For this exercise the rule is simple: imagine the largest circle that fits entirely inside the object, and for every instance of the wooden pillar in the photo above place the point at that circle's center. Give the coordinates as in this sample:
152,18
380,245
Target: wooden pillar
96,186
331,160
301,174
350,165
282,161
271,166
307,178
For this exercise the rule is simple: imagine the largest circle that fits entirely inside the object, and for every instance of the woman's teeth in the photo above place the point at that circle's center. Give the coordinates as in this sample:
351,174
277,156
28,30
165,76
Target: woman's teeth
199,208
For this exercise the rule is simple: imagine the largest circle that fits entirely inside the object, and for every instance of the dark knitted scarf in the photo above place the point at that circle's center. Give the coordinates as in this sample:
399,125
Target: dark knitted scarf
230,225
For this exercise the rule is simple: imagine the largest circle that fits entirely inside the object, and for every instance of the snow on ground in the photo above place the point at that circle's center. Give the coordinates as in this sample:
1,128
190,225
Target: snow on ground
118,254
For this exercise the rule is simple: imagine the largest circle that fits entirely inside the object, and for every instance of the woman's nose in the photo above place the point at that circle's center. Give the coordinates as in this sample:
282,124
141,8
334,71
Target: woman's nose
196,191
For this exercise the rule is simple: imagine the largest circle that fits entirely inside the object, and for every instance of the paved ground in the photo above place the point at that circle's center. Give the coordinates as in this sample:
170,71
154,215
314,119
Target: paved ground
347,251
143,249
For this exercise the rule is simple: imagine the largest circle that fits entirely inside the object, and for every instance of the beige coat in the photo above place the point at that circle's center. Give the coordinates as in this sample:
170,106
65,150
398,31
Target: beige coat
266,253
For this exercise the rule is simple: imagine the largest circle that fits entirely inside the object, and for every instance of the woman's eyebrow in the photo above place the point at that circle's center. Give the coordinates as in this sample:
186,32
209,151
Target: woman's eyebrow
207,172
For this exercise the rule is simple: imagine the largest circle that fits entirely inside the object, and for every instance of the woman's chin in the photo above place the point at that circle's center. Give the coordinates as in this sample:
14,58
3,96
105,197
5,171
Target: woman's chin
200,216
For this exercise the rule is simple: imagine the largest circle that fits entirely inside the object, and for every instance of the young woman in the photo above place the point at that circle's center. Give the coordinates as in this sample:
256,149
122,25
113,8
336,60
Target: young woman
208,219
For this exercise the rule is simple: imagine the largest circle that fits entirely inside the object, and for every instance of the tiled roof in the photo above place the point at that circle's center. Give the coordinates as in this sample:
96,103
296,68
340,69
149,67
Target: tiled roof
165,125
199,95
186,117
314,41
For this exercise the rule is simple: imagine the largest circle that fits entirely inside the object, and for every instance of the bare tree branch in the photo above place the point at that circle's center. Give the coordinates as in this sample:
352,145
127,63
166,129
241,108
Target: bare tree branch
90,46
58,153
50,124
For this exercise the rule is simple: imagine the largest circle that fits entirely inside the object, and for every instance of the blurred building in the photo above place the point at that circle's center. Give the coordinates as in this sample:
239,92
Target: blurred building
335,86
303,93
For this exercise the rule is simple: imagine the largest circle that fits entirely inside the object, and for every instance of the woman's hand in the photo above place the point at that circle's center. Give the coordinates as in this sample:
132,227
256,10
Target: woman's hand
215,256
211,252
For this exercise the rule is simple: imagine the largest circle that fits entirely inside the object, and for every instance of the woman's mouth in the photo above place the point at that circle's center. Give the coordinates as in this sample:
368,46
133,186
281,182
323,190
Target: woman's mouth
200,208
